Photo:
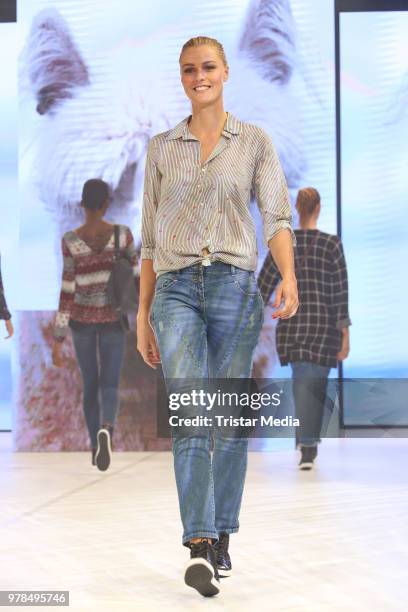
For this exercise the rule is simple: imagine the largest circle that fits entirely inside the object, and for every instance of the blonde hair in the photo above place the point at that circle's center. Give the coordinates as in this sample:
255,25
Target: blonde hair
307,200
198,41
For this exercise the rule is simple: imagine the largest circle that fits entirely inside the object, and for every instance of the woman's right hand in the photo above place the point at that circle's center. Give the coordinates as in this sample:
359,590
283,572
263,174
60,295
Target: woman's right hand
57,359
345,345
9,328
146,342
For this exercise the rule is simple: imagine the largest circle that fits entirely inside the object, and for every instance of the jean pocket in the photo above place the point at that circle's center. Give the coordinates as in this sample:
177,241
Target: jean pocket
246,283
165,282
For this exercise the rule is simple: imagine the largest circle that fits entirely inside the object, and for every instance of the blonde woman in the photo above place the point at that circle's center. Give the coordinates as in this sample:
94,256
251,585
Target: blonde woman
200,310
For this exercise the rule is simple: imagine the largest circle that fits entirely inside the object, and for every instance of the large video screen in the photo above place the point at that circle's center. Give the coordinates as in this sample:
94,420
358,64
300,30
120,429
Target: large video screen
374,162
9,207
123,86
374,185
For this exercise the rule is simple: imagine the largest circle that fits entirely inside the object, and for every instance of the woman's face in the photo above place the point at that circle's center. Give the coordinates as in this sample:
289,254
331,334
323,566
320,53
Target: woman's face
203,74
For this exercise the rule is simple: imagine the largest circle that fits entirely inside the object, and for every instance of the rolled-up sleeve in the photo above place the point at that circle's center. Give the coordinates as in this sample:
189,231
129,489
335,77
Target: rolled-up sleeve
271,191
339,293
151,194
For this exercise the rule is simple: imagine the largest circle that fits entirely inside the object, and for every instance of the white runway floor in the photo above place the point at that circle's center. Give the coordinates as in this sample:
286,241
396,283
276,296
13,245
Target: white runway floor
335,539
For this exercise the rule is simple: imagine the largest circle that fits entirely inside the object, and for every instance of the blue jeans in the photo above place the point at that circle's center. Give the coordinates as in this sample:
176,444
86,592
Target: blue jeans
309,393
207,322
104,344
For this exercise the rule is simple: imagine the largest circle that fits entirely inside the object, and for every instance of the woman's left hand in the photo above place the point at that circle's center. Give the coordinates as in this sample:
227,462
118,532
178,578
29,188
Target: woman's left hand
286,292
57,359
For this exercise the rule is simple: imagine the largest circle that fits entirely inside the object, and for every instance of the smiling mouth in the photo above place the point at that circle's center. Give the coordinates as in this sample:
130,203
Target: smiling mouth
202,87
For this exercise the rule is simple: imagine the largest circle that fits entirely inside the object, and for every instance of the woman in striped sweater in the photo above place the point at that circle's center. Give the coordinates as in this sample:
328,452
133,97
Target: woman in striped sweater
98,335
199,291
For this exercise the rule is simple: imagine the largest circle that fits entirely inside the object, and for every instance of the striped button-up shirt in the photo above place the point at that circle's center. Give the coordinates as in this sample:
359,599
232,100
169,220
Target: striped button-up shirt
195,212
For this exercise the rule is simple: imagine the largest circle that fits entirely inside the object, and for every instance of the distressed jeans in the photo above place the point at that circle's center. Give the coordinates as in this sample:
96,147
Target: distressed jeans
99,350
309,393
207,321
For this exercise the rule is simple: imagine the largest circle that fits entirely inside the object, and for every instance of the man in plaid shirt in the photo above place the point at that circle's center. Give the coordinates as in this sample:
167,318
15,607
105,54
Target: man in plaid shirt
316,337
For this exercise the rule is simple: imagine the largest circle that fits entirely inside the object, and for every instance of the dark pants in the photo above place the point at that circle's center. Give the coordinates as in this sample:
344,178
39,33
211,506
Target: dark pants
99,349
309,393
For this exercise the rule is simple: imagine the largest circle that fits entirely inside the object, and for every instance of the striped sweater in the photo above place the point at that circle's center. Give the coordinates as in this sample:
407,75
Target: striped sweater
85,277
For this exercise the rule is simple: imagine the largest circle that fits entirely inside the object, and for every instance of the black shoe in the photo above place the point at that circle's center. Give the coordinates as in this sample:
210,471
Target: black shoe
309,454
221,552
201,571
93,456
104,451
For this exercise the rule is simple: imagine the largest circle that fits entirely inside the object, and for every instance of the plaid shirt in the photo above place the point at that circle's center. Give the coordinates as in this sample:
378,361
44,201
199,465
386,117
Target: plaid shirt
4,313
314,332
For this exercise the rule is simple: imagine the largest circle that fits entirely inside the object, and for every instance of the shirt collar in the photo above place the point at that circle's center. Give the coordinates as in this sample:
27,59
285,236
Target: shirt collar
232,127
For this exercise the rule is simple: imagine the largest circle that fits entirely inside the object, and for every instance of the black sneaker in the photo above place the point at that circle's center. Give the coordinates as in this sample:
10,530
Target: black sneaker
309,454
221,552
201,571
104,451
93,456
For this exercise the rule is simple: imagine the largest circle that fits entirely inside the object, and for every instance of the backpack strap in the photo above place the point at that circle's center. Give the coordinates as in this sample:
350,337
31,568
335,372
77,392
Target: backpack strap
117,247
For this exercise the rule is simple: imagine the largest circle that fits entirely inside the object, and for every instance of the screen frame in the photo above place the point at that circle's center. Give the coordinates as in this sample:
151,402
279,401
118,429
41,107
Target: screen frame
352,6
8,14
8,11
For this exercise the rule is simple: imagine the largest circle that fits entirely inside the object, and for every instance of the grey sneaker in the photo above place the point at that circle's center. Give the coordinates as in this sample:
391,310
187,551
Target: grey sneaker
201,570
309,454
103,454
223,559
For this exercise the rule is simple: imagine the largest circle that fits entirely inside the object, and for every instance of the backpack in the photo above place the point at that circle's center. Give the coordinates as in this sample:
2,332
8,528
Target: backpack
121,288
